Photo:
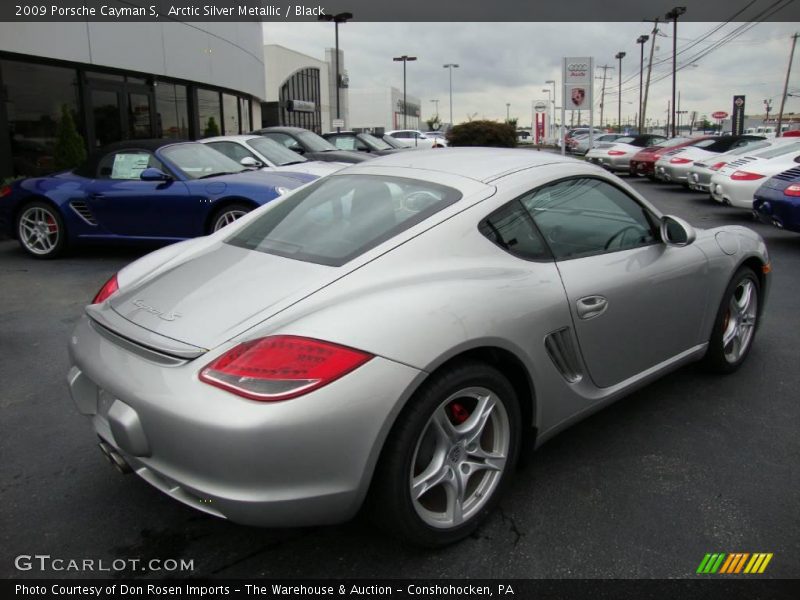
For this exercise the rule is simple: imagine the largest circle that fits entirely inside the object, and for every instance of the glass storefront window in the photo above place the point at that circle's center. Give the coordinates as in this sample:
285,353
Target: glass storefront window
208,110
230,108
35,95
172,111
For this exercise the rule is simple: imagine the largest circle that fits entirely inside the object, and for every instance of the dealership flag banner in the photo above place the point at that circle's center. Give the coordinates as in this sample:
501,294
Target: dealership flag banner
577,84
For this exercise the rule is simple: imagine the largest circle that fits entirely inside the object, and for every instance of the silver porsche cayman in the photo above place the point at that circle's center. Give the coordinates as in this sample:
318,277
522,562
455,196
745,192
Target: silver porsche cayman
388,336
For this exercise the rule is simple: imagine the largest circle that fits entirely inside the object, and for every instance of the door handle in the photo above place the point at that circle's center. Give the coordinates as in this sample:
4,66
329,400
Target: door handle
591,306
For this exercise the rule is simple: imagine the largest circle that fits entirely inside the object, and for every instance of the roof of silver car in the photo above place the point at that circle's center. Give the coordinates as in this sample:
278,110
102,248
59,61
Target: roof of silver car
482,164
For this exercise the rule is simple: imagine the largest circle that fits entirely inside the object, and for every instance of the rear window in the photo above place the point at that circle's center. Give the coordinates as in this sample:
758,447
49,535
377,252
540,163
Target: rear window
338,218
776,151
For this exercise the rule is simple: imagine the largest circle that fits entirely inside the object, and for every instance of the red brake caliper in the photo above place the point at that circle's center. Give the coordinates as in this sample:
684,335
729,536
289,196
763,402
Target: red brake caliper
51,224
458,412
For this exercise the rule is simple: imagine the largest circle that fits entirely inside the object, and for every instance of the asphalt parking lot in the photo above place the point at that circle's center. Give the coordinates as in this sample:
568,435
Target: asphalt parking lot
691,464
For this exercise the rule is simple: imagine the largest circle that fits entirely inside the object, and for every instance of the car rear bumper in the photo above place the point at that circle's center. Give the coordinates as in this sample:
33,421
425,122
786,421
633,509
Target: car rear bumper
780,212
672,173
299,462
611,163
700,182
642,167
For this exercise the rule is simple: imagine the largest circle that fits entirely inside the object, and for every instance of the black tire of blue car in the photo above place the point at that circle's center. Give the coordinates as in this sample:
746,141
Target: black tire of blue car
736,323
40,230
449,456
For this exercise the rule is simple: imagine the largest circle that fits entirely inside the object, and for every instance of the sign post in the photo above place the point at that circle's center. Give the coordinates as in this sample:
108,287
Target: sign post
577,91
737,120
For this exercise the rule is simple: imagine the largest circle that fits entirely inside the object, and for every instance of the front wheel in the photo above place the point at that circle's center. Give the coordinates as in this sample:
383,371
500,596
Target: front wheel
228,214
449,456
736,322
41,231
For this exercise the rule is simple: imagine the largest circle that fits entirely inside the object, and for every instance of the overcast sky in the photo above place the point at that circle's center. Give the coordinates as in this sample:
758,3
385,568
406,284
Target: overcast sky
510,62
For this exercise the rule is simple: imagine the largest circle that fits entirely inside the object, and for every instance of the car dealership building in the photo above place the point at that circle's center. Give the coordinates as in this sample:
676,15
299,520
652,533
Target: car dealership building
124,81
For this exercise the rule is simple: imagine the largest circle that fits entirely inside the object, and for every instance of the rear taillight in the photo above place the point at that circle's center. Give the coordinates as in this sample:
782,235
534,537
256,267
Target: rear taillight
281,367
717,166
109,287
5,190
615,152
745,176
679,161
792,190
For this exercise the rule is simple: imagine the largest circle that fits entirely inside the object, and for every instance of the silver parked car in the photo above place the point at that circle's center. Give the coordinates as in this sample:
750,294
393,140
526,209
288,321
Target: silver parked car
395,330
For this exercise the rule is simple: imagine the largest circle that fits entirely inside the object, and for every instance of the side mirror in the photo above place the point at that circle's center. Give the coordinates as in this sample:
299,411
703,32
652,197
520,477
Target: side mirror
251,163
297,148
676,231
153,174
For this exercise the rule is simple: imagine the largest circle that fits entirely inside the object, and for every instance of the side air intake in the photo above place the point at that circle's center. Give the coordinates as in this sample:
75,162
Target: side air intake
564,355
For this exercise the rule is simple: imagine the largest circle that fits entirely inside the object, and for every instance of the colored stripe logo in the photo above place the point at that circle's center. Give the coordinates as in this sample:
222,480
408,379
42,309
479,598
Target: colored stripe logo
734,564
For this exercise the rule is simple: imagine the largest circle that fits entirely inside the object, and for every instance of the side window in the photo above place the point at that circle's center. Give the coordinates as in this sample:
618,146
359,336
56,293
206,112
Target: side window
511,228
359,145
401,135
126,164
232,150
583,217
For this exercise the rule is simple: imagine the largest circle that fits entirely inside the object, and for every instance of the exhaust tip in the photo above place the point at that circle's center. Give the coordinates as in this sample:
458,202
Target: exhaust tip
115,458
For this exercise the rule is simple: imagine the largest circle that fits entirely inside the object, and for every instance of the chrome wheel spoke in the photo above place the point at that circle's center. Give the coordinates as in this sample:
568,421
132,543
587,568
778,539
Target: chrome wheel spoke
742,315
472,429
443,428
431,477
455,490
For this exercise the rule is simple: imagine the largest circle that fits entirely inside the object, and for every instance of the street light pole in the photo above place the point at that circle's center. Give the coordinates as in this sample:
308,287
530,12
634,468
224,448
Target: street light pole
553,120
451,66
404,59
339,18
620,56
641,41
674,14
436,105
508,108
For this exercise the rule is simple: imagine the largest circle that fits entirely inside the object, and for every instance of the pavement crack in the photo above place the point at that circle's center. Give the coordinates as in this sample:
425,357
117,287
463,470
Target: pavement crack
511,523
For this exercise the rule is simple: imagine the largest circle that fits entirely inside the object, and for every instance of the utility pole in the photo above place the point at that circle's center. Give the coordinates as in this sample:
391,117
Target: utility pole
674,14
619,56
785,88
603,92
649,66
641,41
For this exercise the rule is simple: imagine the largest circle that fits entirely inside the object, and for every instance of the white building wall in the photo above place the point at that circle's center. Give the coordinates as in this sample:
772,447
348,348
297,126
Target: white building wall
220,54
372,108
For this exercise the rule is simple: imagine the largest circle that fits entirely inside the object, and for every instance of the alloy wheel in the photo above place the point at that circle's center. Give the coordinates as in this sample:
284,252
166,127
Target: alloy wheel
228,217
740,320
460,457
39,231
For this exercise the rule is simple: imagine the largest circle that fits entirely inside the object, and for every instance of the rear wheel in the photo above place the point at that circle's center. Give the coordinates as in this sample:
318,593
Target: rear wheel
228,214
449,457
736,323
40,230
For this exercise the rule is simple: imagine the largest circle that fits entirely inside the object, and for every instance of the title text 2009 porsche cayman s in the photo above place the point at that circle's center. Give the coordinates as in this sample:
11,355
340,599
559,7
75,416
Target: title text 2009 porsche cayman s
393,331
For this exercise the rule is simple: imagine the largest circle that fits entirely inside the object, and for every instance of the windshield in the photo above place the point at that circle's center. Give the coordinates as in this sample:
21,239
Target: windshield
393,142
198,161
376,143
274,152
315,143
339,217
672,142
624,140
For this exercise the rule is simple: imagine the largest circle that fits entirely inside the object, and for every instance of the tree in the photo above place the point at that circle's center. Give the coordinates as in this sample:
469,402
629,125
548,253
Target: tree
512,122
483,133
211,129
434,123
70,150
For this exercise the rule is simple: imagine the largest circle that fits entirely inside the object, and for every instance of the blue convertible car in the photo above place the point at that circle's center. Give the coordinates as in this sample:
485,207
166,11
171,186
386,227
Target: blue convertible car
138,190
777,201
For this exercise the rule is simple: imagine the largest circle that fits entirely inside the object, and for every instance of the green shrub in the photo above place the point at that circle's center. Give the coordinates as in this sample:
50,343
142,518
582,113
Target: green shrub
70,150
483,133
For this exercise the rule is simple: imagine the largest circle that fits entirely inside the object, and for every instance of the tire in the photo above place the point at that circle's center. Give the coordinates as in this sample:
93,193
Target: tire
40,230
227,215
736,323
464,416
